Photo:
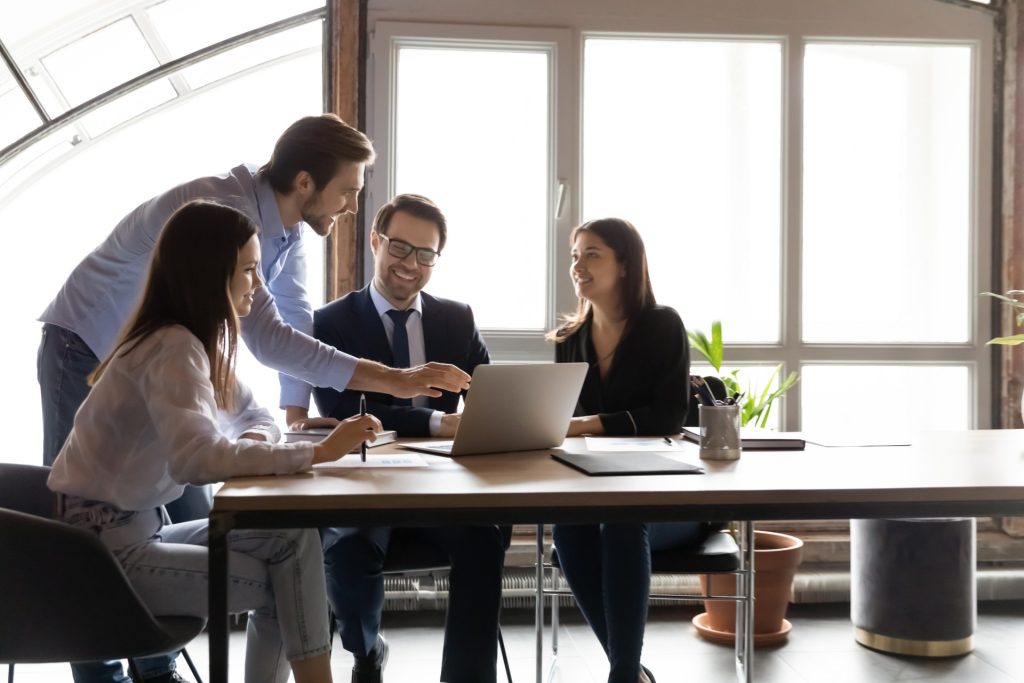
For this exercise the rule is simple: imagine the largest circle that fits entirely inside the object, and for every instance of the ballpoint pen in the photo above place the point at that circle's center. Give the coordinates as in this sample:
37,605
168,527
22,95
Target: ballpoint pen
706,397
362,411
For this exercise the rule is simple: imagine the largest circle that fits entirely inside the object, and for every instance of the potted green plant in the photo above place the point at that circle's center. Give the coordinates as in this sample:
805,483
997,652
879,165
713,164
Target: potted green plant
776,556
1009,299
755,405
1013,526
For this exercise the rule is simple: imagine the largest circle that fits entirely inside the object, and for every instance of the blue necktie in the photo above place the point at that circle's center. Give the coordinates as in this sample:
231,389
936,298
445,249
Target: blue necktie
400,337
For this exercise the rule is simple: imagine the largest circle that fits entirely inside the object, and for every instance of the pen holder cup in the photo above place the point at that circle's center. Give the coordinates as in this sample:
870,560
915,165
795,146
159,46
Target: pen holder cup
720,432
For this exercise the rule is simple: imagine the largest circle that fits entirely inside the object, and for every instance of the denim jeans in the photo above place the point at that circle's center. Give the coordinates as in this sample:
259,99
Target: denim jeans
354,562
608,568
63,365
276,576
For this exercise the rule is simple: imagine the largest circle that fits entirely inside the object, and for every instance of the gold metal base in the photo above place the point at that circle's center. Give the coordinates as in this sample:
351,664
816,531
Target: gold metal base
913,648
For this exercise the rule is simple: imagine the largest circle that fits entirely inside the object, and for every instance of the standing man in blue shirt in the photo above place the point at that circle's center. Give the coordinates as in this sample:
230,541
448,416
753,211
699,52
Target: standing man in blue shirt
399,324
314,176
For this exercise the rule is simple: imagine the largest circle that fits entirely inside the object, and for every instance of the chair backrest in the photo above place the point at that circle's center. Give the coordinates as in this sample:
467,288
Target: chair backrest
23,488
719,552
408,553
63,597
718,390
716,552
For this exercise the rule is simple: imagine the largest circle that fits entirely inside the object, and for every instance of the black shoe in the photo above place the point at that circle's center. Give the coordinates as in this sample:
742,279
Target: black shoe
648,673
368,668
169,677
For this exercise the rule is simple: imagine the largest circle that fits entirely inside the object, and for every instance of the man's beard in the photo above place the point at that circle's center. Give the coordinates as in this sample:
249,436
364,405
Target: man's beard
321,225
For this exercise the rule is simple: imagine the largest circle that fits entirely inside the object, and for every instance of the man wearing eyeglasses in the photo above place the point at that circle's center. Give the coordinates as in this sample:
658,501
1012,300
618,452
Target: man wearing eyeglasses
391,320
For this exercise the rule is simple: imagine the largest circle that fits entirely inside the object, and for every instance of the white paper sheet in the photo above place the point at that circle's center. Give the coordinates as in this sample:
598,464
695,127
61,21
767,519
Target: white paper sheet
375,460
618,444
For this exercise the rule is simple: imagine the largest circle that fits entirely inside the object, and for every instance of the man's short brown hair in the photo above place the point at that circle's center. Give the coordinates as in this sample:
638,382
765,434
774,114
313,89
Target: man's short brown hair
416,205
319,145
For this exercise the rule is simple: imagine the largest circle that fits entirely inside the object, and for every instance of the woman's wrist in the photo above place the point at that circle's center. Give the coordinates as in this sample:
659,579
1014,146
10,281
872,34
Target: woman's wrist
585,424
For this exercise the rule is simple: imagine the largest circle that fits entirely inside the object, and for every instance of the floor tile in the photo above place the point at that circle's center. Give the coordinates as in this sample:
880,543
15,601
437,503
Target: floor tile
820,649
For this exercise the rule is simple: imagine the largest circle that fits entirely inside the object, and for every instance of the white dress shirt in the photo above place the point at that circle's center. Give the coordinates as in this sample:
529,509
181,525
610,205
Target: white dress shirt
417,346
151,424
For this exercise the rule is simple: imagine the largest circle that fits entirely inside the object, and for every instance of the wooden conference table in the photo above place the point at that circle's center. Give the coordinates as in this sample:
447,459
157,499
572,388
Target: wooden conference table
972,473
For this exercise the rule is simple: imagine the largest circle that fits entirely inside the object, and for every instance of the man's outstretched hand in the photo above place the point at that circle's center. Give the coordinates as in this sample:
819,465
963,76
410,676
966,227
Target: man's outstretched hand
423,380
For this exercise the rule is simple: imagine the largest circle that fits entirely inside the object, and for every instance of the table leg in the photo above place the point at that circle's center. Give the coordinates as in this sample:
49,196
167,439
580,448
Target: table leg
217,627
745,606
538,615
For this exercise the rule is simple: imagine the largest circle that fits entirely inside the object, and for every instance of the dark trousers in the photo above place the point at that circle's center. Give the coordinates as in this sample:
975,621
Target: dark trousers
354,563
63,364
608,568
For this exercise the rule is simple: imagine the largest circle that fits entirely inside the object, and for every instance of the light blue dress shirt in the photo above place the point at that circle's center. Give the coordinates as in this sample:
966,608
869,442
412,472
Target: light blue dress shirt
417,344
101,293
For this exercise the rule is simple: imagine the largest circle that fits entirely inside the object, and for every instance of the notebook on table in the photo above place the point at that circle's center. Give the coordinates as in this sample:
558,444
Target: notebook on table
514,407
618,464
756,439
317,434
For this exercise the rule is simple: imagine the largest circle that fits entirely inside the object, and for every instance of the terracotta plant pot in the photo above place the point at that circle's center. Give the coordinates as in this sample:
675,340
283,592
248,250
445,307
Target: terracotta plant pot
776,557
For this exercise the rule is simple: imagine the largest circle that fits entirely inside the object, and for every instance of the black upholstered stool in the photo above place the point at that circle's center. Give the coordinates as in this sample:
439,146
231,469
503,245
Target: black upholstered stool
912,585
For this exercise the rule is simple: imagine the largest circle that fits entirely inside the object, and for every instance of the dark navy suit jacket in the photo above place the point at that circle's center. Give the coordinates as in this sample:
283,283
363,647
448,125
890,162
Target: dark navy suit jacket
351,324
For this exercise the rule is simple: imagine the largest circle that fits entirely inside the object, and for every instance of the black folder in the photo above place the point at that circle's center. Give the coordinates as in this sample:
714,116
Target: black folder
617,464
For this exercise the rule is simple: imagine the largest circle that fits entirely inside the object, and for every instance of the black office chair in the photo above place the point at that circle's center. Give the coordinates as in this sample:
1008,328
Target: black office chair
718,553
408,556
66,599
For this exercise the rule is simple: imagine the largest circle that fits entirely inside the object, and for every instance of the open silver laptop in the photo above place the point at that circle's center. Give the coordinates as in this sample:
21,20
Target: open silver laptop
522,407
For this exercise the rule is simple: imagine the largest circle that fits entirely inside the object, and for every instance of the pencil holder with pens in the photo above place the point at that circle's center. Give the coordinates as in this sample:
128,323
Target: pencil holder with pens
720,432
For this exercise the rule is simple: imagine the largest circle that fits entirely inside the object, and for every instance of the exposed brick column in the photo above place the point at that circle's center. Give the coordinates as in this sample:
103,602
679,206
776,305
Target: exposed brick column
343,52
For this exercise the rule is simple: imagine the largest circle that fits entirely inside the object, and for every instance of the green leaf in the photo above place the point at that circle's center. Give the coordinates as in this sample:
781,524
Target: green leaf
732,385
1013,340
711,349
1001,297
716,345
699,341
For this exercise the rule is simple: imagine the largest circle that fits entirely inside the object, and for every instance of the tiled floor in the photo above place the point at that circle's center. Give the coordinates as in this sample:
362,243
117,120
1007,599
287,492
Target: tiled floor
820,650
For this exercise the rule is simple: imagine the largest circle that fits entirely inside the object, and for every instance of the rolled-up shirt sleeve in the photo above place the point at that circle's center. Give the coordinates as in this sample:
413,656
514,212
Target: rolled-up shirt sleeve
286,349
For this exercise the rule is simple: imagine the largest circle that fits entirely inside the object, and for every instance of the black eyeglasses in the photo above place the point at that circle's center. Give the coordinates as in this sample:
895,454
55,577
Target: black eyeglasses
425,256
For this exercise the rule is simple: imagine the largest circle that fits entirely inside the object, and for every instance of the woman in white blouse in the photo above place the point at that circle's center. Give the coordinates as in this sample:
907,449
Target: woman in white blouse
166,410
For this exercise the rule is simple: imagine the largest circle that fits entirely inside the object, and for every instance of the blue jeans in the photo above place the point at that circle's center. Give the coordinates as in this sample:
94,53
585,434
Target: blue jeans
608,568
63,364
354,562
276,576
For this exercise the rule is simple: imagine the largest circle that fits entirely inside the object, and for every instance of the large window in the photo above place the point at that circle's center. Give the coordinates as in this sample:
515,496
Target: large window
814,175
64,194
498,99
702,179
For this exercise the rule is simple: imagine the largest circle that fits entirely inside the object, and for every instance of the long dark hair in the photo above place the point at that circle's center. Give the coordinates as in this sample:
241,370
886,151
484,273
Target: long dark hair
189,277
637,295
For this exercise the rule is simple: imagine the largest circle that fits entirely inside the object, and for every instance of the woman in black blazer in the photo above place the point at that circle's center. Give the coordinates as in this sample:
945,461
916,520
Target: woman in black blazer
637,385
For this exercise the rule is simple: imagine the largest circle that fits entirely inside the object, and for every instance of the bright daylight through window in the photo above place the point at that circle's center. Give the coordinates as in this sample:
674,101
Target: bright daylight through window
66,198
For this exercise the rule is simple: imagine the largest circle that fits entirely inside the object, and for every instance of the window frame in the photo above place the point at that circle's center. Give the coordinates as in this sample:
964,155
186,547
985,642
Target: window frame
873,21
386,39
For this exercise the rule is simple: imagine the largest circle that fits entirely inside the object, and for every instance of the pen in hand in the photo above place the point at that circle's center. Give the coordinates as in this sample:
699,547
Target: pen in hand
362,411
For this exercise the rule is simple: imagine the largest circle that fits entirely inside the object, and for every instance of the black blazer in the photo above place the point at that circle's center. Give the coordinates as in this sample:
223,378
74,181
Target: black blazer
646,391
351,324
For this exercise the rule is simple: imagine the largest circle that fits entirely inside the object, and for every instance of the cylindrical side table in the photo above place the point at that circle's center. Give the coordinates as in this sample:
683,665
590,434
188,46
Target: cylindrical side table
912,585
